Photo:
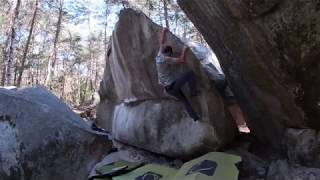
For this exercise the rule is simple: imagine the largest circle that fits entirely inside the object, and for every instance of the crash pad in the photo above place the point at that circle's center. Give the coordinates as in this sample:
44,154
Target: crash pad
212,166
149,172
115,169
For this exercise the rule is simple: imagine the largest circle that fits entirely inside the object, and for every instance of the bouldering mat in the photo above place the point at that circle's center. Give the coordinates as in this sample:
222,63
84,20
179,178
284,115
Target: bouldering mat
149,172
212,166
116,168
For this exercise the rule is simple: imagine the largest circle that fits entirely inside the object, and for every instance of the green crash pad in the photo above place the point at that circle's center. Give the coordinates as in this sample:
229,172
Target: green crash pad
212,166
116,168
149,172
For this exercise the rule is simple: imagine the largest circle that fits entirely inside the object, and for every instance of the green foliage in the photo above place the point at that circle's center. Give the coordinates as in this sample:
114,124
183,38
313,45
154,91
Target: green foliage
85,30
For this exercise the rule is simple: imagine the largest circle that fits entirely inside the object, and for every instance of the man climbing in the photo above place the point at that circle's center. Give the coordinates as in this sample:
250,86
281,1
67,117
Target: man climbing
170,80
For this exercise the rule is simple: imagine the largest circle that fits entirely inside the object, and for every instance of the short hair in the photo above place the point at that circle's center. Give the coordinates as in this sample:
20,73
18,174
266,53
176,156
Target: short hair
167,50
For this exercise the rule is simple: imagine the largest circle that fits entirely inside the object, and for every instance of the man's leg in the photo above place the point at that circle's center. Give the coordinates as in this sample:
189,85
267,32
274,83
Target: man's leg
188,107
179,94
186,77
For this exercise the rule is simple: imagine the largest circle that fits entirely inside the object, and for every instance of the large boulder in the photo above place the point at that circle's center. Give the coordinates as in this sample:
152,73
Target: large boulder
303,147
252,166
41,138
211,66
282,170
269,51
135,108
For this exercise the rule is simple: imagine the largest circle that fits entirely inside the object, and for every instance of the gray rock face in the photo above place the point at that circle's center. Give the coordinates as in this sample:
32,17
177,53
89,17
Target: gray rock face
302,146
137,111
251,167
269,51
41,138
282,170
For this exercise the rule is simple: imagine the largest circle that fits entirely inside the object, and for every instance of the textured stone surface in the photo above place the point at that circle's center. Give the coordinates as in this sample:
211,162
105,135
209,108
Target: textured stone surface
251,167
269,51
41,138
136,109
303,146
282,170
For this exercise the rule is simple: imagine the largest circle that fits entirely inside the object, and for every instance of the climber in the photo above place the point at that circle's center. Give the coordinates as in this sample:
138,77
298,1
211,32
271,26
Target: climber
170,80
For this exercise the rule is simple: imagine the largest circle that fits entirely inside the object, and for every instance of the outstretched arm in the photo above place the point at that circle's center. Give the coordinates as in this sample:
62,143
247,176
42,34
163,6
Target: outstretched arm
182,58
162,36
179,60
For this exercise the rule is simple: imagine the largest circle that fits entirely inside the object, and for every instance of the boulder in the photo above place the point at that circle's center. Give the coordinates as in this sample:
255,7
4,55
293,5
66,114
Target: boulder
135,108
282,170
211,66
269,51
41,138
252,166
303,147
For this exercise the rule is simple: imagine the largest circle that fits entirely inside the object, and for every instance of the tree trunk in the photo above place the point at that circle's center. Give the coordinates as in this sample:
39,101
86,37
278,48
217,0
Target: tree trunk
91,87
105,42
160,13
91,70
176,15
38,74
79,86
63,81
9,44
16,66
25,51
53,57
165,8
149,5
105,34
3,70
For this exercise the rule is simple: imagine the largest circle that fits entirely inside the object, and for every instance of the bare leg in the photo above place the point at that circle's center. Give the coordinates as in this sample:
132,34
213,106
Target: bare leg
239,118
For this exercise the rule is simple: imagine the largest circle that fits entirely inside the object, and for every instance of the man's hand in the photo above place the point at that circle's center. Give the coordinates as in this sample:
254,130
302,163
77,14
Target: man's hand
164,30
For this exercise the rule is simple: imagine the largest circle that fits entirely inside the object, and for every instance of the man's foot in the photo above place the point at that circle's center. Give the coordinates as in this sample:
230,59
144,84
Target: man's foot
244,128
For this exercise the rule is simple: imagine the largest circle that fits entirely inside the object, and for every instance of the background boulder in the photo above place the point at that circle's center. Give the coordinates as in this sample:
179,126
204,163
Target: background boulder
41,138
282,170
302,146
269,51
134,106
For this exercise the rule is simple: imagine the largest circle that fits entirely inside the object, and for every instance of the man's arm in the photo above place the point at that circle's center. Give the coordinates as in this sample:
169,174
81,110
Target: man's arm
162,36
182,58
172,60
179,60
